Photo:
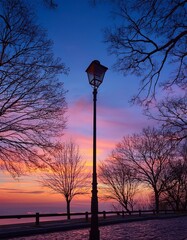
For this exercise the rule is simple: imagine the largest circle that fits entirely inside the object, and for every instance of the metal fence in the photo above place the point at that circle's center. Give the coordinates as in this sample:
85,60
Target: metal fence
85,215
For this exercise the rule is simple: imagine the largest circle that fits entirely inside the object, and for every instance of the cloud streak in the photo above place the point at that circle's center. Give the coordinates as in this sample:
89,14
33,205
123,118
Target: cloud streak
124,120
18,191
112,124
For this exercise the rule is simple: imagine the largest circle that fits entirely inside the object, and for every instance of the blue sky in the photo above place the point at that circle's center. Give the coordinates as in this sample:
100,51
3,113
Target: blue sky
76,27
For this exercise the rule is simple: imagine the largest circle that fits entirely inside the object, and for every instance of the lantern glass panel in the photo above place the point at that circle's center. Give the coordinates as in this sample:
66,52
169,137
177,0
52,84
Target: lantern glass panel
96,73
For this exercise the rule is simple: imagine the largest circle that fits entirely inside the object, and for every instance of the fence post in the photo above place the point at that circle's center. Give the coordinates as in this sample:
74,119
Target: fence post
104,214
37,219
86,216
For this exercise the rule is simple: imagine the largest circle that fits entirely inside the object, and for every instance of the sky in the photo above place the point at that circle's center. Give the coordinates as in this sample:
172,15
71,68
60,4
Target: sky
76,27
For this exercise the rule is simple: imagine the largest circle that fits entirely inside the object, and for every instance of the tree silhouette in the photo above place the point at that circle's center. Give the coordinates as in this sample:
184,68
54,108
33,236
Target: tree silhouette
175,192
32,99
119,182
151,35
148,153
172,114
67,174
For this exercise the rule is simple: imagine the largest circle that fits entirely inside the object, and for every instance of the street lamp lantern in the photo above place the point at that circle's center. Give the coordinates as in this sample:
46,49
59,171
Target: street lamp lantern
96,73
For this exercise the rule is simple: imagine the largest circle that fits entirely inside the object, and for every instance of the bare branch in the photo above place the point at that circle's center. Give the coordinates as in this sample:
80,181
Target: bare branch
119,182
32,98
172,114
148,154
151,37
67,174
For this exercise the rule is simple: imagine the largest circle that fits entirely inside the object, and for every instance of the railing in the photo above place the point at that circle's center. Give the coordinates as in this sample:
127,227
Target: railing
86,215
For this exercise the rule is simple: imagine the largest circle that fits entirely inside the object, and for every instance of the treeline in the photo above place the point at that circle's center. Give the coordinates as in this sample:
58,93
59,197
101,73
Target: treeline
148,43
149,159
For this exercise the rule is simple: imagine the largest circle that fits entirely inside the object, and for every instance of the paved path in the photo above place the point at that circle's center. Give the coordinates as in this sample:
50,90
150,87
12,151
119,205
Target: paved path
27,229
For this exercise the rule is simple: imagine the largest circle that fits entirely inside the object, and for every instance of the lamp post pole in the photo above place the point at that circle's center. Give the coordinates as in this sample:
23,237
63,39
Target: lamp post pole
96,73
94,232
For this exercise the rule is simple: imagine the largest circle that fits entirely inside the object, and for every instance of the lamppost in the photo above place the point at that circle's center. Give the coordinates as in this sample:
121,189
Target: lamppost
96,73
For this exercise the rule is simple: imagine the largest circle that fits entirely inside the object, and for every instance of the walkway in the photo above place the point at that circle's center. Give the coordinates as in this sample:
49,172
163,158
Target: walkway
27,229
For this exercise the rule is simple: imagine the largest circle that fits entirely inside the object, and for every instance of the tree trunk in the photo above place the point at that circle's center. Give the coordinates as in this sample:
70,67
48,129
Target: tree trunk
125,206
156,202
177,204
68,208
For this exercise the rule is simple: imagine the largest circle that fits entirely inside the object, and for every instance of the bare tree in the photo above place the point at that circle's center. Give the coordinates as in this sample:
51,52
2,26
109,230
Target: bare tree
67,174
151,36
172,114
32,99
175,193
120,183
147,153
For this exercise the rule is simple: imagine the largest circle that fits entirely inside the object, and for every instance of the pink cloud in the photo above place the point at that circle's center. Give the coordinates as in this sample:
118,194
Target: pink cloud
114,121
112,125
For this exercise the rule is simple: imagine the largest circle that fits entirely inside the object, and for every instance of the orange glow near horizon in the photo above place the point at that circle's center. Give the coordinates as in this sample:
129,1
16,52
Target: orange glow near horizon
109,131
115,118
